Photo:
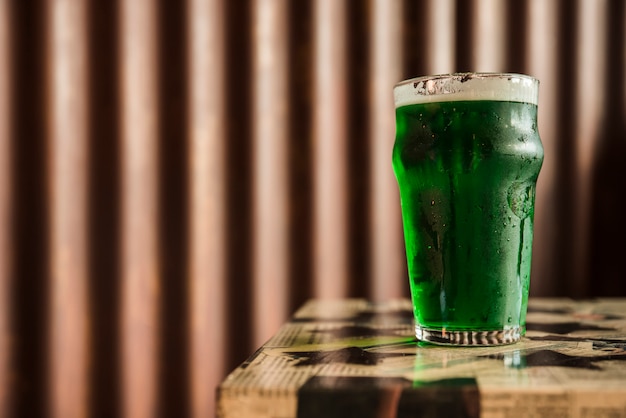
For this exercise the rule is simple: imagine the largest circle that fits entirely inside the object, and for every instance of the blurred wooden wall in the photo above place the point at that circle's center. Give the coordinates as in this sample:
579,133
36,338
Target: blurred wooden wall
177,177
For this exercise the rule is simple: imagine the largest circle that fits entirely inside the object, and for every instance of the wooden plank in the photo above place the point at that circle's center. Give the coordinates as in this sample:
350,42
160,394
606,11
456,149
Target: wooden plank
207,206
330,246
591,62
542,64
270,125
441,35
140,274
388,263
67,142
5,207
489,40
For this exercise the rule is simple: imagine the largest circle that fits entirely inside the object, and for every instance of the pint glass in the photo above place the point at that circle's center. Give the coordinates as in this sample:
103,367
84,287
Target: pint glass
467,155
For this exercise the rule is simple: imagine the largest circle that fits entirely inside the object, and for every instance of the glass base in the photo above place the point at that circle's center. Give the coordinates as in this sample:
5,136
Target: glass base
505,336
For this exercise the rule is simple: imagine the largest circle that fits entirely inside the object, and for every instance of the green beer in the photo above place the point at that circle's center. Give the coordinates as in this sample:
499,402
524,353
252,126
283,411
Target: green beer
466,157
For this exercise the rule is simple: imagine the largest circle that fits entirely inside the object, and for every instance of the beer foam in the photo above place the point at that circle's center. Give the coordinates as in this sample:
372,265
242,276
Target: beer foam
467,86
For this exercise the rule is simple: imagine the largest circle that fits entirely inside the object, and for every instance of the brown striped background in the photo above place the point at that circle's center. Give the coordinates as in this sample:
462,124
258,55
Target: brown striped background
176,177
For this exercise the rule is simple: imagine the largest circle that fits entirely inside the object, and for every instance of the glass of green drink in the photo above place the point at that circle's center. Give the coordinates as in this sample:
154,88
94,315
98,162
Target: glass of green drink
467,156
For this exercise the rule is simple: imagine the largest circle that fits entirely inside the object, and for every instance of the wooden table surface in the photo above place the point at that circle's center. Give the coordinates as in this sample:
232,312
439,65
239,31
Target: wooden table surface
353,358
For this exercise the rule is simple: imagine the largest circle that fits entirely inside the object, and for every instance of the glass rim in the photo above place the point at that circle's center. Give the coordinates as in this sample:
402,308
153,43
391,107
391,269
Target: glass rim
467,86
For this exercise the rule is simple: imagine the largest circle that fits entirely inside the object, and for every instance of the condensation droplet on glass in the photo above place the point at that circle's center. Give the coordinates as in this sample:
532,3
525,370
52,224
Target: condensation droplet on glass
432,203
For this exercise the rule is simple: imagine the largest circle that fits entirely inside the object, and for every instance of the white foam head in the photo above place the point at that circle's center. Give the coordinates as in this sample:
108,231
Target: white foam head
467,86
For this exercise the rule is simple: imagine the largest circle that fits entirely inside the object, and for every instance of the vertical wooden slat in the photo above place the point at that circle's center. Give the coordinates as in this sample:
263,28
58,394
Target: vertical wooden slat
67,136
139,271
207,152
489,38
270,180
387,251
5,207
542,61
441,36
590,63
329,149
